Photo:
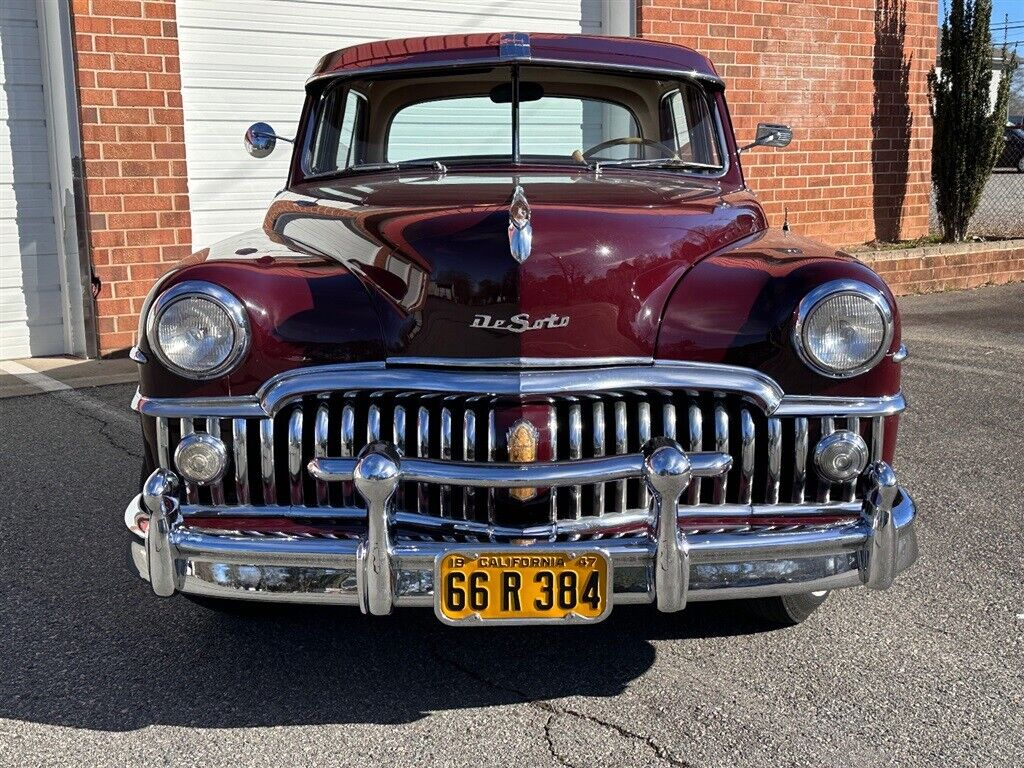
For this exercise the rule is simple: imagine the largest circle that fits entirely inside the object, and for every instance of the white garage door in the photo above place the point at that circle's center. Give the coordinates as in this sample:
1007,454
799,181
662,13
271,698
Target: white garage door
31,306
242,62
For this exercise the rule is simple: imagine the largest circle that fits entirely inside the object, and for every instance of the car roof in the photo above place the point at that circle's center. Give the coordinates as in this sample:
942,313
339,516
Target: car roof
623,53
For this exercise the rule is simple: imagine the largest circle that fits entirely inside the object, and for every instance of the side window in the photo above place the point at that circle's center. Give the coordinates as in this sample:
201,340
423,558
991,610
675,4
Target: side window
680,136
689,127
353,117
337,144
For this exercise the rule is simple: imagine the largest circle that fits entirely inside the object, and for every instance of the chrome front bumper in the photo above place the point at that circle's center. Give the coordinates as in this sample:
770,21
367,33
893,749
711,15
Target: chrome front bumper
667,566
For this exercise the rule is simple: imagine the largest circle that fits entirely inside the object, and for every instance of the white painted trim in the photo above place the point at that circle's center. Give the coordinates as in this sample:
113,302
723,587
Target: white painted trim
618,19
64,140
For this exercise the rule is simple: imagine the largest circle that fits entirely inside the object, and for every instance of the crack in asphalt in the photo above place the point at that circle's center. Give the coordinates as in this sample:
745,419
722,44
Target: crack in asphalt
100,412
551,742
554,712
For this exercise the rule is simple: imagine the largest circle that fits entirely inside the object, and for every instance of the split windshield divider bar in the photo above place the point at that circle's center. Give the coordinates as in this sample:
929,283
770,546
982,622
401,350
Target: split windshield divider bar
516,157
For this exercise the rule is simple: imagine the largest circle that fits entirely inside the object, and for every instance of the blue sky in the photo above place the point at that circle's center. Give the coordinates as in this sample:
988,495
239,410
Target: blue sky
1014,9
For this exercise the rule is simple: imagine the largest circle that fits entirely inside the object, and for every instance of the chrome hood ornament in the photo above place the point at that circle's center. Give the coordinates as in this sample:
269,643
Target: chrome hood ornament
520,232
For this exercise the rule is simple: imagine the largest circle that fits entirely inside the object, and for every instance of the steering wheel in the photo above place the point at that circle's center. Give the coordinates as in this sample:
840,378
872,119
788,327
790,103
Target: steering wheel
627,141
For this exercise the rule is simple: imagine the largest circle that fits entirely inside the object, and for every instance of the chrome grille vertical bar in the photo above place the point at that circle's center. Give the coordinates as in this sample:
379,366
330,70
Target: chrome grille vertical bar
800,430
599,439
619,501
240,439
695,424
348,448
553,433
469,454
722,446
576,452
191,489
373,423
828,426
398,428
668,416
771,494
295,457
747,436
446,454
398,434
422,450
492,455
877,438
163,444
267,462
644,434
849,490
321,423
217,489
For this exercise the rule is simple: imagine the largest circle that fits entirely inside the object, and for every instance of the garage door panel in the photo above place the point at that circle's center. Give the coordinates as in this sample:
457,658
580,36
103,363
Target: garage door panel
22,102
41,272
28,235
31,305
404,18
240,66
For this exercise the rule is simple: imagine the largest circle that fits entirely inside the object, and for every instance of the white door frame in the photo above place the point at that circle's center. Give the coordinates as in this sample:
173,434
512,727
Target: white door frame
67,183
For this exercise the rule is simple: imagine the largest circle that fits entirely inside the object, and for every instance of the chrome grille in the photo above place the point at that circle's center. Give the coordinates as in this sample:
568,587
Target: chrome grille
269,456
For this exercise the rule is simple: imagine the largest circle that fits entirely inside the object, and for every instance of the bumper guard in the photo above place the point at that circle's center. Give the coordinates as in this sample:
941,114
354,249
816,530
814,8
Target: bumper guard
667,567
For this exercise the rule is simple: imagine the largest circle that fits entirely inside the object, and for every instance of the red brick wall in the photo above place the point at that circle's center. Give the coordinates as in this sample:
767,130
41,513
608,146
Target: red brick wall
859,165
126,53
942,267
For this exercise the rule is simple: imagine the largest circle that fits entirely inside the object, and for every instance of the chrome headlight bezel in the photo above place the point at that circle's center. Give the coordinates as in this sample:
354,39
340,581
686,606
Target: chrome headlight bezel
829,290
227,302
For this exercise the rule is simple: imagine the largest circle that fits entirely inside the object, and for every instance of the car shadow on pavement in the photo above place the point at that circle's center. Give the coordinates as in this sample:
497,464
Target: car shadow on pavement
115,658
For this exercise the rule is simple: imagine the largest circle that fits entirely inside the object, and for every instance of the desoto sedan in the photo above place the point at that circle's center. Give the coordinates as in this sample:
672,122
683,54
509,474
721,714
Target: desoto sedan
516,343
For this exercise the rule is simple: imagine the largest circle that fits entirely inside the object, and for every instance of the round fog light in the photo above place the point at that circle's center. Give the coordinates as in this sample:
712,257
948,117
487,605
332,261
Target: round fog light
841,456
201,458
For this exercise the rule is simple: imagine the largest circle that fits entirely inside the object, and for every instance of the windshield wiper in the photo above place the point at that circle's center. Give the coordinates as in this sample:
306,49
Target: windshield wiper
401,165
661,162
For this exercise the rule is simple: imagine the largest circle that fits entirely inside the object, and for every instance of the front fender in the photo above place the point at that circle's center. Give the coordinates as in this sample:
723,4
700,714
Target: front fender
739,307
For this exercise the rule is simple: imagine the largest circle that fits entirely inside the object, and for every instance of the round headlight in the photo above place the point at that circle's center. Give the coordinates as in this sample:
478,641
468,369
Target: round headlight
198,330
843,328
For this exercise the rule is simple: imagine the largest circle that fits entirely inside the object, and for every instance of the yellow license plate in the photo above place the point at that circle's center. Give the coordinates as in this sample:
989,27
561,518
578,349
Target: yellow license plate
534,587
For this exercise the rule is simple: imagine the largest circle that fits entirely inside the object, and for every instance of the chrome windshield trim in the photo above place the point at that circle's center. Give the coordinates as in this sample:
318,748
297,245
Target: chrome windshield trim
752,385
484,61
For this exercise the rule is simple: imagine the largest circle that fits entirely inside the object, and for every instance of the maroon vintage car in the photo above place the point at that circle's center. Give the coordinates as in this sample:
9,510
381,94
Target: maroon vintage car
515,342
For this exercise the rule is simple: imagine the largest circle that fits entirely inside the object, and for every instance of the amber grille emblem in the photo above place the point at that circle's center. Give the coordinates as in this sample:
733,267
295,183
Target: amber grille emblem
522,449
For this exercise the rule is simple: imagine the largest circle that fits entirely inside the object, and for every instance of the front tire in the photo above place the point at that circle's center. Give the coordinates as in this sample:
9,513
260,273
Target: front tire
787,610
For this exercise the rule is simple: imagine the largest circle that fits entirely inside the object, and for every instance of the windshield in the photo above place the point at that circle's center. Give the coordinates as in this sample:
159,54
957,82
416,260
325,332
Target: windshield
523,114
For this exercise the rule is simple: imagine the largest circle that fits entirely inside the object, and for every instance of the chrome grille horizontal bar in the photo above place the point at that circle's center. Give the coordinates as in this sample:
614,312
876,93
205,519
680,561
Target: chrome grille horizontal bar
752,385
553,474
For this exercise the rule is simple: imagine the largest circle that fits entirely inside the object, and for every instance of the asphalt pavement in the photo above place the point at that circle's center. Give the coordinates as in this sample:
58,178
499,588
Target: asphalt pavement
94,670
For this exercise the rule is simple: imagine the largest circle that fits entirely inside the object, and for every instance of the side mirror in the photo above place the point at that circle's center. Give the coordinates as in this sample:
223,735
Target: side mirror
771,135
260,140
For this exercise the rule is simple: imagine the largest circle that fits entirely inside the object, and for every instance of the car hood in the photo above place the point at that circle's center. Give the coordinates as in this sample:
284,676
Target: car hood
432,251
